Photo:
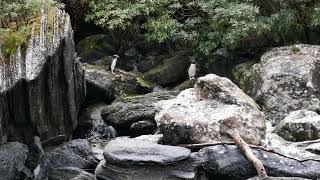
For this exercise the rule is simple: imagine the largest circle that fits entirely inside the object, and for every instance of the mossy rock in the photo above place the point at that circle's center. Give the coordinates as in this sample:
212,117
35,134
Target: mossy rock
170,72
122,83
94,48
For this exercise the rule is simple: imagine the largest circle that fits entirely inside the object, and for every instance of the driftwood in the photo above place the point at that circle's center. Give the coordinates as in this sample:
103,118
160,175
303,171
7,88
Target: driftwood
231,129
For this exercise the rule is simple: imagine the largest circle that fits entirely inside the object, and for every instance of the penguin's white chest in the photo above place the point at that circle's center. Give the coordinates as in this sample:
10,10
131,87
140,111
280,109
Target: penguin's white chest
113,64
192,70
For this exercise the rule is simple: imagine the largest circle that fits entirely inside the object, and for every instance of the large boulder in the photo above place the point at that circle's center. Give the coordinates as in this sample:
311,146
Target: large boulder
171,71
300,125
288,80
196,115
129,159
103,86
94,49
76,153
42,89
140,108
13,156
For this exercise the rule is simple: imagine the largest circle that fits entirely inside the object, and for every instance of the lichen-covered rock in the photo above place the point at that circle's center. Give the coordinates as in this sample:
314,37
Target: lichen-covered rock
41,90
300,125
123,113
130,159
289,80
13,156
244,76
196,115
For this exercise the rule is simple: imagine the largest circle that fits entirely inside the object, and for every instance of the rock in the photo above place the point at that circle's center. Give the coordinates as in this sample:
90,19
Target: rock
128,159
196,114
76,153
138,151
185,85
104,86
279,178
244,76
93,49
13,156
300,125
288,80
157,138
99,85
171,71
226,162
141,108
42,89
150,62
70,173
142,128
91,124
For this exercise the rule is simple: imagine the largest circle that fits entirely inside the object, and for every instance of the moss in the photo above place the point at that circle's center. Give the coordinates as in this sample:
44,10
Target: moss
295,49
144,83
12,38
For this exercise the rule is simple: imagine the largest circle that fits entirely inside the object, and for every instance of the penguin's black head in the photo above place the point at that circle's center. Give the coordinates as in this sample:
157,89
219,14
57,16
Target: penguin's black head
115,56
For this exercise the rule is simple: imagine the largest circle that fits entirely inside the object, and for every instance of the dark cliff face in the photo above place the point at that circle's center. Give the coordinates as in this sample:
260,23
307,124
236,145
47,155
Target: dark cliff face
41,92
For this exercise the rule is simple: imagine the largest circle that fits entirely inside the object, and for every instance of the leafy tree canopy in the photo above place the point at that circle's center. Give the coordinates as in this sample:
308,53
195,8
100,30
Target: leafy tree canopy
206,25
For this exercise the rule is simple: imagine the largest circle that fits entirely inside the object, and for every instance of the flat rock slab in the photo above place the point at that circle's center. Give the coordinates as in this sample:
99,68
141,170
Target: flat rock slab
134,151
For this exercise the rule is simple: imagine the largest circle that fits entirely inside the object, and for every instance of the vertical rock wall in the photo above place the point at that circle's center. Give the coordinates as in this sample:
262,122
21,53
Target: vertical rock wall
41,89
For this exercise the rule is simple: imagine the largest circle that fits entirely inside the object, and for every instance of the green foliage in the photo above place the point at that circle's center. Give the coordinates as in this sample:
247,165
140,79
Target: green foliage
11,40
16,19
207,25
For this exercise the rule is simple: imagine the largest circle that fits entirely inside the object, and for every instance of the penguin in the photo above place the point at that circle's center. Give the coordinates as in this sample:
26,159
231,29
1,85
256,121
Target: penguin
192,70
114,63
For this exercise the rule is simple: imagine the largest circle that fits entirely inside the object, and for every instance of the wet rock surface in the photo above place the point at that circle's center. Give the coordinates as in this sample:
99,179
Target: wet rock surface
288,80
121,114
196,114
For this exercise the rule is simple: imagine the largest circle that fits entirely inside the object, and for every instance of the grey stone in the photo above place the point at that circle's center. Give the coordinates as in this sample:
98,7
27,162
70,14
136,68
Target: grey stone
70,173
227,162
13,156
142,128
76,153
141,108
132,159
288,80
300,126
133,151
